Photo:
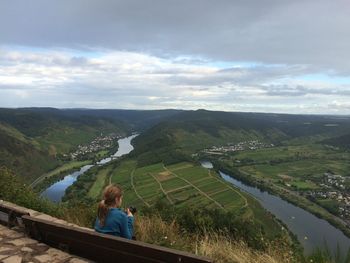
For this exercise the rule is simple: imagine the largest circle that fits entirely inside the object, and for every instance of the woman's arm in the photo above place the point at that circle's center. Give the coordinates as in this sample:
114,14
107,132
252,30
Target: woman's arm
127,226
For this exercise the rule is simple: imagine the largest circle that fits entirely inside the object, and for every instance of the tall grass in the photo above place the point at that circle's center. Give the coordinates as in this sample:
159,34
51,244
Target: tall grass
217,246
222,249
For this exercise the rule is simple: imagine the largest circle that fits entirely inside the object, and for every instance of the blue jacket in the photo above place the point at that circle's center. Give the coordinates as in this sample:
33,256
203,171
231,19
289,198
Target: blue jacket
117,223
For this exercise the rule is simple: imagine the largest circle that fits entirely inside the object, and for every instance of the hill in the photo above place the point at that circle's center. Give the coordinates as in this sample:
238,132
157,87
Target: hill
24,157
138,120
33,140
341,141
52,127
188,132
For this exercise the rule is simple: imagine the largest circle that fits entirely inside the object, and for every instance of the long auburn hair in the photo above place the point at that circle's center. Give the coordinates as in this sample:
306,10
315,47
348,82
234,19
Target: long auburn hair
110,194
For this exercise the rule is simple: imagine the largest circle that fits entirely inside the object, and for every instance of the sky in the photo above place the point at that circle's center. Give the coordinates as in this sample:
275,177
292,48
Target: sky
287,56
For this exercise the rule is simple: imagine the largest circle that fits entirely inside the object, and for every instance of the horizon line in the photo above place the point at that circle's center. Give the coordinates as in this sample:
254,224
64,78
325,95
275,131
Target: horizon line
174,109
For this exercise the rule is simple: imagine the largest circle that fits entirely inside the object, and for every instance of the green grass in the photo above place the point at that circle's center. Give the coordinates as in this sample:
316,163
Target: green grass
305,151
148,190
211,187
302,185
204,181
192,173
121,176
183,194
299,170
67,166
228,199
173,183
102,153
177,166
100,182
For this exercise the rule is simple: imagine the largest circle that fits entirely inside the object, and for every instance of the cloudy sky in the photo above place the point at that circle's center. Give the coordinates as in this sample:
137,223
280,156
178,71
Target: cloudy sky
289,56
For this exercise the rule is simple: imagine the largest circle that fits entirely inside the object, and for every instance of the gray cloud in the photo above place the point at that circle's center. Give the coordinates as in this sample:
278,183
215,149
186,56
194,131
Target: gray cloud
221,55
312,32
254,75
134,80
299,90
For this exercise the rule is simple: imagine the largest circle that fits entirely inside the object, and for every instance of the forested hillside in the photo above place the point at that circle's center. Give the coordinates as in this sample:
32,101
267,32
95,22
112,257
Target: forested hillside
44,134
33,140
185,133
341,141
24,157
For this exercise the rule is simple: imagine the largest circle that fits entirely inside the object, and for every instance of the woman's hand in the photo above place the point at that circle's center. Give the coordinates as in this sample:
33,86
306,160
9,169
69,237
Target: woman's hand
128,212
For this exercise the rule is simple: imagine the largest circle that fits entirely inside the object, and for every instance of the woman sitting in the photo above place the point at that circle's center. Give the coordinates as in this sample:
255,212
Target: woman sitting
110,218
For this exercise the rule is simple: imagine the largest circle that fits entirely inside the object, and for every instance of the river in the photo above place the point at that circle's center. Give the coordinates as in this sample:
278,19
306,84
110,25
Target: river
56,191
311,231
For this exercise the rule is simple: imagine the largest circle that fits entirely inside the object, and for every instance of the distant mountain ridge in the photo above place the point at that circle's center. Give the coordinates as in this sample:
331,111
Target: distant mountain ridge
189,131
135,119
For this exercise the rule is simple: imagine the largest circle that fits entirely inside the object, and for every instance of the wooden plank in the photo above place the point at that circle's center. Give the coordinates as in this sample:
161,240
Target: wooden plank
103,248
10,216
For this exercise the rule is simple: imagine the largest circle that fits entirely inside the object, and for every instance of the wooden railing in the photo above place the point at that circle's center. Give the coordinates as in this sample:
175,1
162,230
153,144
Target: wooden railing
92,245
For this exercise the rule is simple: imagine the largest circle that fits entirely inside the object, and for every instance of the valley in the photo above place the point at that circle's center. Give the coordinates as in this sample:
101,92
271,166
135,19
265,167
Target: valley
181,186
163,171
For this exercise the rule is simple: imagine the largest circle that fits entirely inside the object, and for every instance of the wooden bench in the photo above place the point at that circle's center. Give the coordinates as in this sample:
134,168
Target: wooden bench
11,216
100,247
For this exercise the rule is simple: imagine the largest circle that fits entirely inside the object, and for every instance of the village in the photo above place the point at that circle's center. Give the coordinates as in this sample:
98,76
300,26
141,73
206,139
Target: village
241,146
334,187
101,142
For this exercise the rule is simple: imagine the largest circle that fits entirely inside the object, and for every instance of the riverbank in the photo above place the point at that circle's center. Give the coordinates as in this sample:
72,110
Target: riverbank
50,178
289,215
289,196
56,191
58,174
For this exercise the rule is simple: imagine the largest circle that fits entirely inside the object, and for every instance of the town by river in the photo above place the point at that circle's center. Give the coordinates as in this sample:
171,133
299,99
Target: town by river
56,191
311,231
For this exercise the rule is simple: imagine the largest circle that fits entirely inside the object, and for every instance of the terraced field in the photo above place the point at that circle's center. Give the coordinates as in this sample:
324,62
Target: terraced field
99,184
182,184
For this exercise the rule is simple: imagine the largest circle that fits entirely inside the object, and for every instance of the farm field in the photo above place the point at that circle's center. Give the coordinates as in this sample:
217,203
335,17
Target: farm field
183,184
301,167
99,183
305,151
315,177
